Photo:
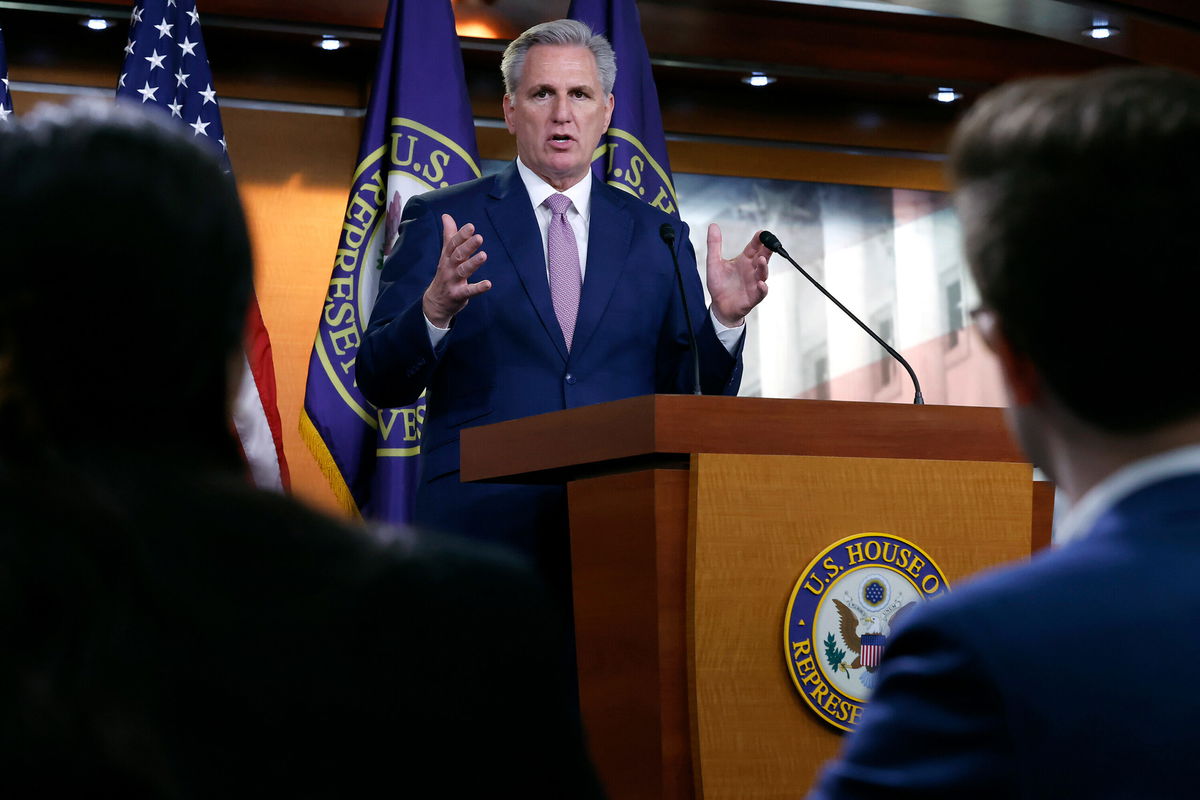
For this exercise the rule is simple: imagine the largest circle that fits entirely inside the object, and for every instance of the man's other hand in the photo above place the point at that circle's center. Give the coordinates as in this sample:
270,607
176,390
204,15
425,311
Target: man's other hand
738,284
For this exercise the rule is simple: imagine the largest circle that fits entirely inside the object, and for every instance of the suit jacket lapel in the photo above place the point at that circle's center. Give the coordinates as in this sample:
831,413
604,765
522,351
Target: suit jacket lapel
610,231
512,217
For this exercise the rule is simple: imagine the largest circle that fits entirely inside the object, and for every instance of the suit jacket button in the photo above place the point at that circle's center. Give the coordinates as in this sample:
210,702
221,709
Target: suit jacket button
570,379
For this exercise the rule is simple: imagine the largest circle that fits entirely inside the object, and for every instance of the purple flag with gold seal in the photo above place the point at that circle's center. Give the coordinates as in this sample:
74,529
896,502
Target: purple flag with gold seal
5,97
632,154
419,135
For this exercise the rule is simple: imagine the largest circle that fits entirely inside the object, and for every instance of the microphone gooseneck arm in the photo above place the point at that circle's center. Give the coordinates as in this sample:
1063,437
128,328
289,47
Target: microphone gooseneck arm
667,234
773,244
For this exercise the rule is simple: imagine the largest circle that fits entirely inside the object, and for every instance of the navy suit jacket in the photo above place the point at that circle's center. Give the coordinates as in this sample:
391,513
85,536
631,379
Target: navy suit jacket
1070,676
506,357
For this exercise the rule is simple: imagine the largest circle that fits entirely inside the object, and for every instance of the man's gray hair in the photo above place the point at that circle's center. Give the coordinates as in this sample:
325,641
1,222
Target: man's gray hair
566,32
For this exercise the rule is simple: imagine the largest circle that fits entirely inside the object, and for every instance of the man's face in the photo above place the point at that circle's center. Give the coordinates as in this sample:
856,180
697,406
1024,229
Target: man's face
558,113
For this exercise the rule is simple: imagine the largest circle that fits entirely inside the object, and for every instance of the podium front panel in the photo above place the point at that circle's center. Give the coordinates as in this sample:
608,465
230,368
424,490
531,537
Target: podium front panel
755,524
628,545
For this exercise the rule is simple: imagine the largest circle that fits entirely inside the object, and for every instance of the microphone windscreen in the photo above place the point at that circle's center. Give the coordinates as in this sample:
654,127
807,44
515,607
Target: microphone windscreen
667,233
771,241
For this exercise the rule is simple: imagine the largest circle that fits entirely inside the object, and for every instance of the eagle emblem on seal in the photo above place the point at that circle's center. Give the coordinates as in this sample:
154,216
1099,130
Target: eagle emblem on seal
864,624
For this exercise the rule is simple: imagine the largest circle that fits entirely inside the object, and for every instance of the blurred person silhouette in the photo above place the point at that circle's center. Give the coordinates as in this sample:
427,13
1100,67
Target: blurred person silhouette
168,630
1068,676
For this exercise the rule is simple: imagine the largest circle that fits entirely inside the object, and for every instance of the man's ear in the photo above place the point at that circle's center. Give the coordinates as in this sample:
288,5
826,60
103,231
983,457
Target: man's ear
1019,373
507,105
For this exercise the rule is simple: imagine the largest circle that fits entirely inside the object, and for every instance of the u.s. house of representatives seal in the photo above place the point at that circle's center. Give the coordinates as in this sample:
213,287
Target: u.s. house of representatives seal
841,613
413,159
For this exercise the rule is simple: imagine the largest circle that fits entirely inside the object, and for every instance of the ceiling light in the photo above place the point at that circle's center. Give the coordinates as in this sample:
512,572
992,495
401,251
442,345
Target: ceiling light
328,42
96,24
758,79
945,94
1100,31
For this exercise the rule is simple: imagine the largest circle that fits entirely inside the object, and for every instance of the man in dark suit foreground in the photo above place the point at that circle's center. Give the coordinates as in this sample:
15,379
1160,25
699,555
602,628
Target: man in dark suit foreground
169,631
539,289
1070,676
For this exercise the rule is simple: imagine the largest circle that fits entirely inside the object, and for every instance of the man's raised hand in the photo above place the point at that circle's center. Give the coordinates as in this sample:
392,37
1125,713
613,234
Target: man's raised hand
738,284
450,290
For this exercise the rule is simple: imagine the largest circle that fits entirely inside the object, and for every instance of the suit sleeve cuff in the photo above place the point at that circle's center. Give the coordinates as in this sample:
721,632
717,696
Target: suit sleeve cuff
436,334
728,337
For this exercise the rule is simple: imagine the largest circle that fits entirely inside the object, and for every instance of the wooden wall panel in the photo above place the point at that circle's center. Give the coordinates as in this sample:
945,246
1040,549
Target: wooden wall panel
806,165
792,164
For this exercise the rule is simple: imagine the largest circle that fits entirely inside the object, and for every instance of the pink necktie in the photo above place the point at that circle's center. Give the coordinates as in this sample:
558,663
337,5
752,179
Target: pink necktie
562,254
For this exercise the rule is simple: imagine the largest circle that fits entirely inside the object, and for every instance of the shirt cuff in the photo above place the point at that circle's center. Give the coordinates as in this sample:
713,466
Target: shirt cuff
436,334
729,337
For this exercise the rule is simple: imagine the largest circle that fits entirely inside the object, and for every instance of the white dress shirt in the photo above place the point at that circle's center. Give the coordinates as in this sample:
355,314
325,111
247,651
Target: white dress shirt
578,214
579,217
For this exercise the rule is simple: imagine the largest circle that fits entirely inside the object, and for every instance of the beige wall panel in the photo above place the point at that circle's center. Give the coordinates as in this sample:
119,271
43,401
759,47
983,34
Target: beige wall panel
294,173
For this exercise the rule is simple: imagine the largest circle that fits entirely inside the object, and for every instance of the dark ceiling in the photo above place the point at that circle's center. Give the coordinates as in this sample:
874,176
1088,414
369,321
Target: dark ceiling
865,62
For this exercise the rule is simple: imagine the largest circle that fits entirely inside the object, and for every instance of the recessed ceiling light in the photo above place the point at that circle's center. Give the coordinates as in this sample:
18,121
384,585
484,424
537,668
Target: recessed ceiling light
328,42
96,23
1100,31
945,94
758,79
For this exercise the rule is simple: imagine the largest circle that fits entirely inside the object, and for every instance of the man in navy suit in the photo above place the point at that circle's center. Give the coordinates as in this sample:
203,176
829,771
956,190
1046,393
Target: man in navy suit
573,302
1070,676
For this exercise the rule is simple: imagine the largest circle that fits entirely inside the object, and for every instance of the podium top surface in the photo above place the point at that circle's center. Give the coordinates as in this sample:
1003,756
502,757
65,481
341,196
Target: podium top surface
664,430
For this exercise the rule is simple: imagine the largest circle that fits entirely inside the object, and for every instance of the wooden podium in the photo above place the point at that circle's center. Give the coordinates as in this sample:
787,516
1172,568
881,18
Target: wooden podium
692,518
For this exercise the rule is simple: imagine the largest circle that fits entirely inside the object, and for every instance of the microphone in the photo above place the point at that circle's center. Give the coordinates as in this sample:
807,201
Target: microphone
667,233
771,241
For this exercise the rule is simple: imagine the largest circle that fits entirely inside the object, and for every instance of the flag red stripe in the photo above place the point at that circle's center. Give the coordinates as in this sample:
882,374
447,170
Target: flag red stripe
262,368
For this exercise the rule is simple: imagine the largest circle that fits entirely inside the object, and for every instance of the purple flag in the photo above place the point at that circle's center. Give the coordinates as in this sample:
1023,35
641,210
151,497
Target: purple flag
633,153
419,135
5,97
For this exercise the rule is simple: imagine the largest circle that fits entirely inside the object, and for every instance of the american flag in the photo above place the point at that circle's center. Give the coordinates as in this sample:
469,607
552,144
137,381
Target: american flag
5,97
166,67
872,648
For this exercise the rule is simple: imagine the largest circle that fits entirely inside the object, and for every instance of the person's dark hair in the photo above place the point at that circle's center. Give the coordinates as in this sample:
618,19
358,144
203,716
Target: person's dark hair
1078,199
126,275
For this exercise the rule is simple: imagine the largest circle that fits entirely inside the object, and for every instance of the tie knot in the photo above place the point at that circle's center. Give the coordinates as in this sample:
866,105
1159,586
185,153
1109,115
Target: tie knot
558,203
